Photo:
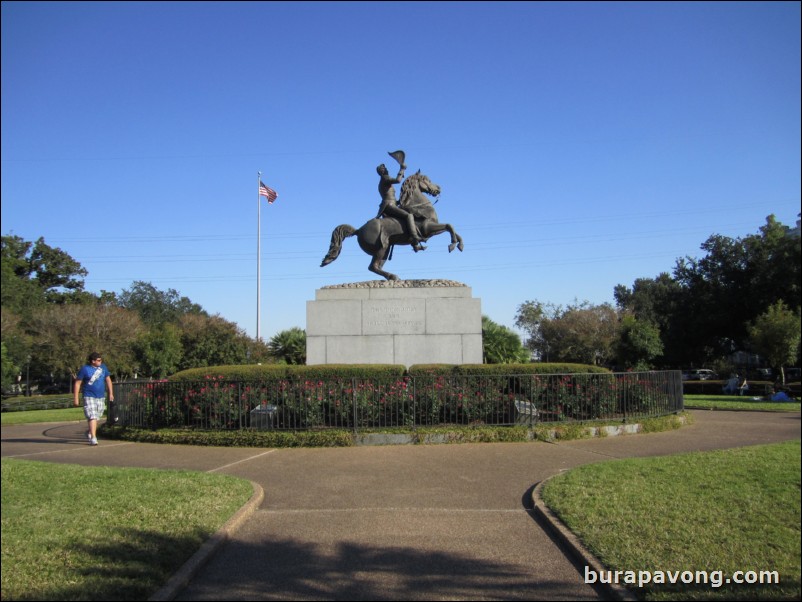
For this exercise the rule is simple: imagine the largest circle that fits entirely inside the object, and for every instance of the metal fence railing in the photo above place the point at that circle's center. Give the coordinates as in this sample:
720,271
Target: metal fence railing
37,402
409,401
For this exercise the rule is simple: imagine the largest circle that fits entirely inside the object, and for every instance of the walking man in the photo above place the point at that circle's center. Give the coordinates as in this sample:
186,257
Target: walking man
94,377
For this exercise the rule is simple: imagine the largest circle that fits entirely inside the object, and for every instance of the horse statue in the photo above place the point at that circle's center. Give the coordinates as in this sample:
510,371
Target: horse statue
378,236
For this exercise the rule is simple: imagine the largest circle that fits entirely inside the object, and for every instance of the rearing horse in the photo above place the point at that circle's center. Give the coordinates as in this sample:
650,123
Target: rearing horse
377,236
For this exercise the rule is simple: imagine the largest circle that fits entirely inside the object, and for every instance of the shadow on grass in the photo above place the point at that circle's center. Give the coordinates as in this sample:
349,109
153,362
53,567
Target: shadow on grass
129,565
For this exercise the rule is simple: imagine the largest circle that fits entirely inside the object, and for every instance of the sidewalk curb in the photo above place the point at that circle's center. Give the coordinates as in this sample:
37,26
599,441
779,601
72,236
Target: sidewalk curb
182,577
575,546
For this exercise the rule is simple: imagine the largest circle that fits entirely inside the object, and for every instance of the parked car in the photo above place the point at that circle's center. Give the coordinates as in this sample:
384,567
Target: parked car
700,374
792,374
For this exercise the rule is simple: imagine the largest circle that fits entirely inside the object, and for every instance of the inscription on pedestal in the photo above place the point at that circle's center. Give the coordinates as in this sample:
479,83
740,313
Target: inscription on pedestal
407,316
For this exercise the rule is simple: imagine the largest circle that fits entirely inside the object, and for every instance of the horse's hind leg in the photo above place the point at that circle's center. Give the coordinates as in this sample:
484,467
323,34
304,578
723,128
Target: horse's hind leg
378,262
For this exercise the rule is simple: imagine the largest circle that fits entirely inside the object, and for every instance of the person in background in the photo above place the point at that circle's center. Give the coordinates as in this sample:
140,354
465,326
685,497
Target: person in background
743,387
732,385
780,395
94,378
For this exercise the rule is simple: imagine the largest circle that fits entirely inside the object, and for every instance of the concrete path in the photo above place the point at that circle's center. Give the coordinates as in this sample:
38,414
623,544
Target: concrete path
429,522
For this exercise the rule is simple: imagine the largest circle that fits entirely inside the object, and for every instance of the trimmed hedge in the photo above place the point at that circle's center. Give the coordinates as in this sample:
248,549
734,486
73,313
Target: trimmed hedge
503,369
256,373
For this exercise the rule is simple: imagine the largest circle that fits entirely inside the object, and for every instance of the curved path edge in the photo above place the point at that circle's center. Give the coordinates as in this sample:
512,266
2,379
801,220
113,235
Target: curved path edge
182,577
573,543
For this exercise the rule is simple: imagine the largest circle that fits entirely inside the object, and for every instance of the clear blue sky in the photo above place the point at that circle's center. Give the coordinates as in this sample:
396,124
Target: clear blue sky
578,145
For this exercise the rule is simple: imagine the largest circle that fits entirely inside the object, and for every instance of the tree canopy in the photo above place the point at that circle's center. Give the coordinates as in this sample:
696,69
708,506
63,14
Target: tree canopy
775,335
36,273
704,309
157,307
50,323
581,332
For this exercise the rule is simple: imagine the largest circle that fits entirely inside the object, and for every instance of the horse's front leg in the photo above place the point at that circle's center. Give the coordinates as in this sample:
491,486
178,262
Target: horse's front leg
456,239
454,235
430,228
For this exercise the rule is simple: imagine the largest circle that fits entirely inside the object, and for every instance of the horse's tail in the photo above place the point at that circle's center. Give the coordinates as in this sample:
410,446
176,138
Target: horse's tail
340,233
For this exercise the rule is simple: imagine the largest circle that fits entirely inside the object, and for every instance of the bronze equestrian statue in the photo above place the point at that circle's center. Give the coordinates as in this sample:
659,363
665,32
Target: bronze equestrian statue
409,221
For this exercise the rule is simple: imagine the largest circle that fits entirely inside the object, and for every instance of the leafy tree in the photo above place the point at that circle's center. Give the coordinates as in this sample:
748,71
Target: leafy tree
703,310
9,369
289,346
500,345
36,273
662,303
638,343
63,335
211,341
159,351
529,317
130,329
58,274
775,335
18,294
16,341
258,352
582,332
157,307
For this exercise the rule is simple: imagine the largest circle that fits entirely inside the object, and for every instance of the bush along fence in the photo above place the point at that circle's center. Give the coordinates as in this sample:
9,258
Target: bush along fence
424,397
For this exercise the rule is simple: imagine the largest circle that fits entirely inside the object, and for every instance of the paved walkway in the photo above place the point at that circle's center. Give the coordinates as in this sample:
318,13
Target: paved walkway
396,522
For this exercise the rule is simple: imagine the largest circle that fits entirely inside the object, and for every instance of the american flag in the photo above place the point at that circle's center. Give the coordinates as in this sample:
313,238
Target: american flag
267,192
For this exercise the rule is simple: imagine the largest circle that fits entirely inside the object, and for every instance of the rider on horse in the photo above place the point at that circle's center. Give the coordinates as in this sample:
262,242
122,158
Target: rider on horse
389,206
378,236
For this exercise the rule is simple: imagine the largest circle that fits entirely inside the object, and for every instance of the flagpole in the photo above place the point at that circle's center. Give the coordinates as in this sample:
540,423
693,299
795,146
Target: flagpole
258,254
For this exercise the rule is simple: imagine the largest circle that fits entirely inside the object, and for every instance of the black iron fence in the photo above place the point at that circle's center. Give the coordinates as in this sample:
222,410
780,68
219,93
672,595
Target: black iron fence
21,404
409,401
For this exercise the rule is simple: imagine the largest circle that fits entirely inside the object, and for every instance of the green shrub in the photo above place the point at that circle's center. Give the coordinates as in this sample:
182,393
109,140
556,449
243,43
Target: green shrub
240,438
345,438
505,369
255,373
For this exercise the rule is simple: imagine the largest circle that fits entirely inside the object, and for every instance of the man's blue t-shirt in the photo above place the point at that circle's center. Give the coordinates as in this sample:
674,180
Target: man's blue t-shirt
94,380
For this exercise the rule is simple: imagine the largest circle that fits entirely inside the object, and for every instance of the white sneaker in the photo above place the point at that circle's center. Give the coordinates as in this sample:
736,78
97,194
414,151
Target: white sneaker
93,441
88,435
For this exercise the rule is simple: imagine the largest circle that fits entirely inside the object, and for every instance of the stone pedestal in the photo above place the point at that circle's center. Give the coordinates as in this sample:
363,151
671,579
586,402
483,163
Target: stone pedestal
404,322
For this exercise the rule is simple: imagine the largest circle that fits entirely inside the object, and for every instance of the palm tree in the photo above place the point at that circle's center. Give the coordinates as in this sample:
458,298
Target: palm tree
500,345
289,346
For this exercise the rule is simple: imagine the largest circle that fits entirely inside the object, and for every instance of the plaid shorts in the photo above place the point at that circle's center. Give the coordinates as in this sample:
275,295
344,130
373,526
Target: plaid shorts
94,407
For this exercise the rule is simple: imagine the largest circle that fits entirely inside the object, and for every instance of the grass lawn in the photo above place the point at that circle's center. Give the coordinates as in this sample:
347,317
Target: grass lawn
730,510
95,533
31,416
733,402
